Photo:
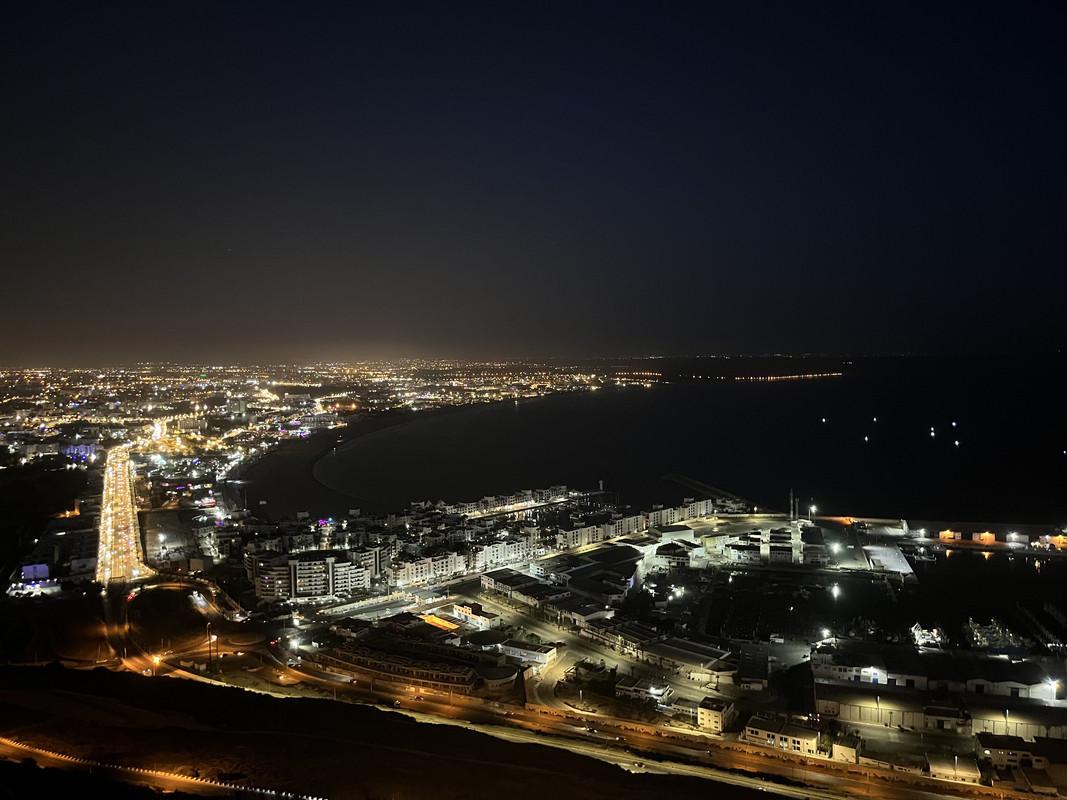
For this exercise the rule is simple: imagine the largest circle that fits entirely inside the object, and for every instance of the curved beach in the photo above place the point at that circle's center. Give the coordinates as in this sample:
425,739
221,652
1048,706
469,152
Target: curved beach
847,446
577,439
283,482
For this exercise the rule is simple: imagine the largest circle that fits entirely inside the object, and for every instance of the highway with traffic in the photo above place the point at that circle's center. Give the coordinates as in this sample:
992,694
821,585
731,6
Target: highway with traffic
120,557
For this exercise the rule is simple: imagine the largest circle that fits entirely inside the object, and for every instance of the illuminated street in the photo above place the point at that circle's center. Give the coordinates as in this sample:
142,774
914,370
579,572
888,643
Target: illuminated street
120,556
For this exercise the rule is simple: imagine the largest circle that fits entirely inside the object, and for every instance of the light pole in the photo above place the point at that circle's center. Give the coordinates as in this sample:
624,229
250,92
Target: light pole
811,512
210,639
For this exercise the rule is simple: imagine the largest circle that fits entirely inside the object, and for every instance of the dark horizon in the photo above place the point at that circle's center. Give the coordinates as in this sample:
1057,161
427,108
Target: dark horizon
249,183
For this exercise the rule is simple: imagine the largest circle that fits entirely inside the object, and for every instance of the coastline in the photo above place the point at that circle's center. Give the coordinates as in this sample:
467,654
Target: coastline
286,479
758,441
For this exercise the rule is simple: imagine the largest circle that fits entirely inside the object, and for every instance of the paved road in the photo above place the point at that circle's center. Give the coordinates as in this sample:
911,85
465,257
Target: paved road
119,556
168,782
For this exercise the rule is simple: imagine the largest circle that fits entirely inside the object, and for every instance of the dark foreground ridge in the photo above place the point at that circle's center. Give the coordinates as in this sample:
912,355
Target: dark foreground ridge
304,746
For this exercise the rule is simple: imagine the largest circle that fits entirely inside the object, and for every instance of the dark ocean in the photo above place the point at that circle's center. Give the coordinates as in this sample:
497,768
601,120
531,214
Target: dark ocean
858,445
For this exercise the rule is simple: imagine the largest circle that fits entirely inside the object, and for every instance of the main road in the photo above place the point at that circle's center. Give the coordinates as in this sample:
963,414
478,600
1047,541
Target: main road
119,554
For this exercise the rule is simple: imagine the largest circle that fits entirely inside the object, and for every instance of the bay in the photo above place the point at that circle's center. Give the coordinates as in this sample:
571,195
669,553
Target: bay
859,444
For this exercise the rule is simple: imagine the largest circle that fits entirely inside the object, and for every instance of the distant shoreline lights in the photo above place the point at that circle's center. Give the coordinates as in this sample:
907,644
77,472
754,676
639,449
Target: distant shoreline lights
801,377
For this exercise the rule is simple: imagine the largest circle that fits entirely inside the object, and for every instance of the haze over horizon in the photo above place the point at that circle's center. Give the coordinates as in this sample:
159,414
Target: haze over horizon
272,183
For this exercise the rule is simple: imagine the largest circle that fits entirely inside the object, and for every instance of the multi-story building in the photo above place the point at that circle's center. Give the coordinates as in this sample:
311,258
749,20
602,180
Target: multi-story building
473,614
577,535
308,576
782,735
659,516
627,637
428,568
369,558
509,550
714,715
272,581
665,516
1011,751
624,524
505,581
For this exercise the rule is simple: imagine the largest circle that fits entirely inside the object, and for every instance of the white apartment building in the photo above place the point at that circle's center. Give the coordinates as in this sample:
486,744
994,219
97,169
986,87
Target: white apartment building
431,568
501,553
309,576
583,535
370,558
665,516
624,525
619,525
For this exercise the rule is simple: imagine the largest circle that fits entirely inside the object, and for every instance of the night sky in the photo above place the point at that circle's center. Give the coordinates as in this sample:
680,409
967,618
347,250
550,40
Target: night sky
274,181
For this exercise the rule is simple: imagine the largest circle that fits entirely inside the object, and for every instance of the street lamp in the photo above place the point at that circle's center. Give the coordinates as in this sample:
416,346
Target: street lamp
210,638
811,512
